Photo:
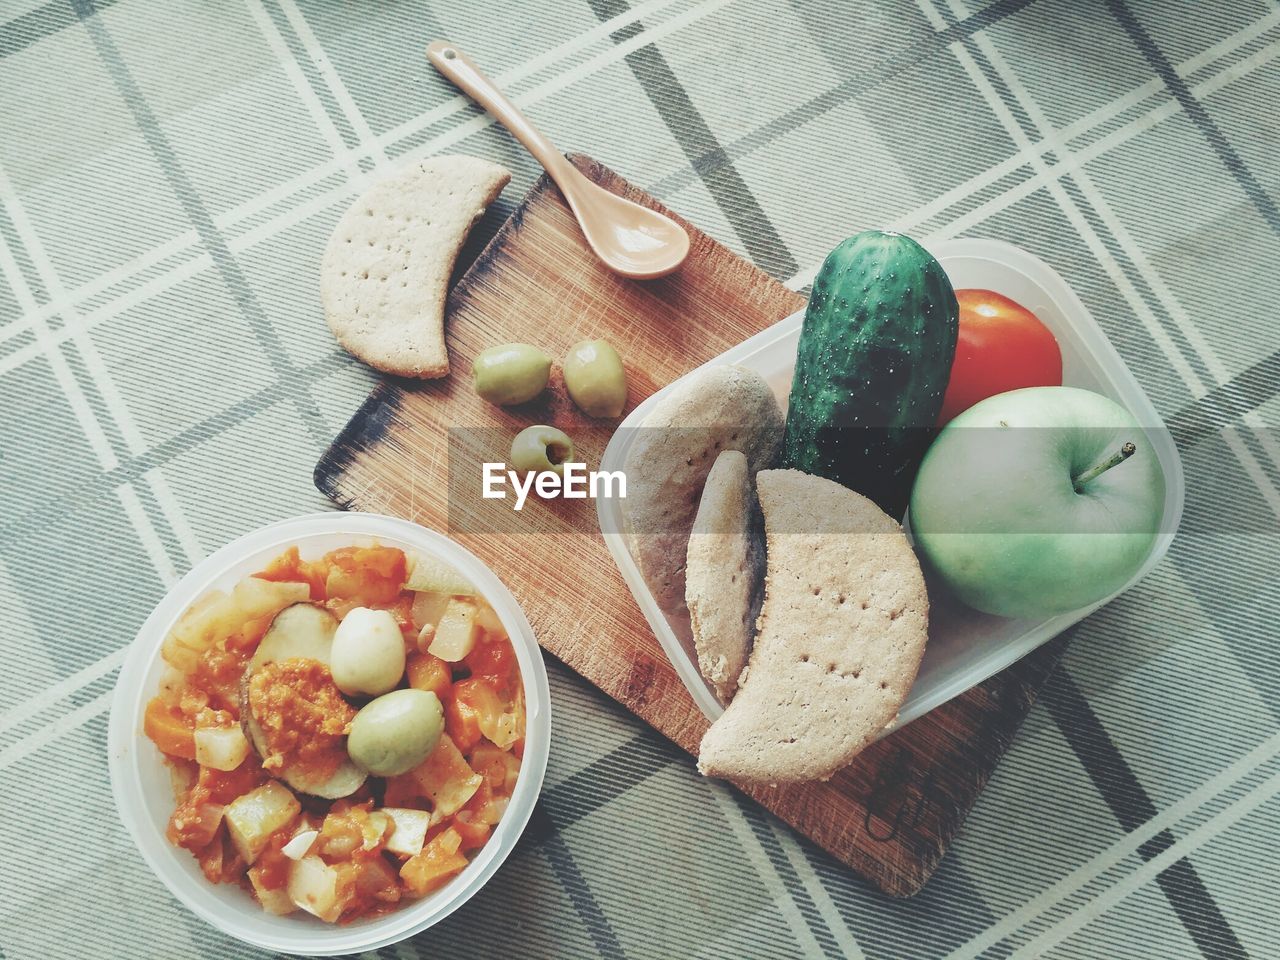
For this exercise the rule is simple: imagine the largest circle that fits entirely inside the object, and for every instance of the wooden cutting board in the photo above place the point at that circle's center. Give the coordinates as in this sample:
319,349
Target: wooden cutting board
412,450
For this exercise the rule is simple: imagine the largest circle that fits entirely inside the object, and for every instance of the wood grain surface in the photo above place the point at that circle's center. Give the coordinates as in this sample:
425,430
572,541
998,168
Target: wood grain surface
413,450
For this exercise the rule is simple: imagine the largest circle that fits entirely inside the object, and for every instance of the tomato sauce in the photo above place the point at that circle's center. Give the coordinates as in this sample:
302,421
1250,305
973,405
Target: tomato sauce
303,716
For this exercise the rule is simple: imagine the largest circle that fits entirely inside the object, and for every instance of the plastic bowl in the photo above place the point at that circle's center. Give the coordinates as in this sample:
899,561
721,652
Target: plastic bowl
965,647
140,779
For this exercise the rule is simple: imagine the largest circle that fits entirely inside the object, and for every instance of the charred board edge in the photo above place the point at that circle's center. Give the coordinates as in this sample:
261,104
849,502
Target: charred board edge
363,432
1009,697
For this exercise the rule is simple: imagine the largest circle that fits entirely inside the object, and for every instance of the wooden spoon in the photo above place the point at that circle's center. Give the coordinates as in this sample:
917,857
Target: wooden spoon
629,239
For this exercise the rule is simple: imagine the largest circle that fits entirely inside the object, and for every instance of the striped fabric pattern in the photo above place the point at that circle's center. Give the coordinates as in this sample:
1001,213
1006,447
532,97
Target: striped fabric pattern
169,173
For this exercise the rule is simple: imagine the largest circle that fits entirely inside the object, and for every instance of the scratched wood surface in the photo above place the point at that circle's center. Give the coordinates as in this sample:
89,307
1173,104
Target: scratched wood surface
414,449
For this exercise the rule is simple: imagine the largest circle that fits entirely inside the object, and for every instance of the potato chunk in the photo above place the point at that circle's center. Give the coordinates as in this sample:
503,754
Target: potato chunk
456,632
252,818
432,575
410,831
222,748
446,779
313,885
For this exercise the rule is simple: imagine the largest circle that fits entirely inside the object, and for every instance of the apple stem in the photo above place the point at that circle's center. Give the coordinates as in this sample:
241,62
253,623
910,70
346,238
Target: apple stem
1120,456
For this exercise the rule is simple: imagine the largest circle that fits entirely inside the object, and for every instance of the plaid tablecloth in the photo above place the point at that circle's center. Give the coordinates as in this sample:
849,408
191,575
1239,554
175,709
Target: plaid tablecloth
169,173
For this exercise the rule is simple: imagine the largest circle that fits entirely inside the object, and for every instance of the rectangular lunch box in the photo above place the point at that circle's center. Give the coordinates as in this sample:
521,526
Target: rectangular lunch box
965,647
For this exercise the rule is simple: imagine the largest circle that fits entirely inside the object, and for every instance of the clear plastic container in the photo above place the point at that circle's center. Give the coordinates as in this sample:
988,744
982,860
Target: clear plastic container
965,647
140,779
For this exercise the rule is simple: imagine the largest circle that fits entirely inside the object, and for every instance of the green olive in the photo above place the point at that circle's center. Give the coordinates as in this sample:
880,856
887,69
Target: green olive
539,448
594,378
511,373
394,733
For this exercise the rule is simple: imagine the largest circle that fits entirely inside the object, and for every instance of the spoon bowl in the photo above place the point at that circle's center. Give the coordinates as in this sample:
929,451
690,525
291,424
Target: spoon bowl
629,239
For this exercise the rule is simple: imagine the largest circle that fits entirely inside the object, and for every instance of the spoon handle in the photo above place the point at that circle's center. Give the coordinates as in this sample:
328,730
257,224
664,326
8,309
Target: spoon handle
462,72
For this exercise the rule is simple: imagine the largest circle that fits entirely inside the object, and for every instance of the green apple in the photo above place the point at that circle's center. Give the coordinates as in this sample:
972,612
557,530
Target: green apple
1038,501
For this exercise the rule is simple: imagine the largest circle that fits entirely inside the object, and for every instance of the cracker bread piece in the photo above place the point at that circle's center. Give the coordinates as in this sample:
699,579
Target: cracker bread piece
385,274
724,576
841,634
714,408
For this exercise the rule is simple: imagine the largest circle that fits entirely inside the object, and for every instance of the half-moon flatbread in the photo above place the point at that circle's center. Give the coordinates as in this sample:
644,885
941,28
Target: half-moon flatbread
841,634
712,409
385,273
724,577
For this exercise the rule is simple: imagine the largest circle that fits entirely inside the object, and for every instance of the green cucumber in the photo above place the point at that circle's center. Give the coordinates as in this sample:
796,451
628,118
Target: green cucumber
872,367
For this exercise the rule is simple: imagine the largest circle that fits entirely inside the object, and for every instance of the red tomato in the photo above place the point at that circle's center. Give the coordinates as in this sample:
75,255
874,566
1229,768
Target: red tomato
1001,346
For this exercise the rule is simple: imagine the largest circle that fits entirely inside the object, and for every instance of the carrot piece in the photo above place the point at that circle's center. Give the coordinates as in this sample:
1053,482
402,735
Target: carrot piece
194,825
430,673
223,786
169,729
289,567
402,791
402,609
462,723
432,868
473,833
387,563
273,866
495,659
